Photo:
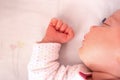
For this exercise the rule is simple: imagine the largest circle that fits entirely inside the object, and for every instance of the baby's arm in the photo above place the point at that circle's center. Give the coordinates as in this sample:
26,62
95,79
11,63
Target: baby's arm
43,64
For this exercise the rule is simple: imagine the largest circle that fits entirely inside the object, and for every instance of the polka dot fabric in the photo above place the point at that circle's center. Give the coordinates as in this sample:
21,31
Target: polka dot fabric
43,64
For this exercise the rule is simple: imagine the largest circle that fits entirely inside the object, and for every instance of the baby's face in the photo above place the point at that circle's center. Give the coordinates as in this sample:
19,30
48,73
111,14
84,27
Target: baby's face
101,47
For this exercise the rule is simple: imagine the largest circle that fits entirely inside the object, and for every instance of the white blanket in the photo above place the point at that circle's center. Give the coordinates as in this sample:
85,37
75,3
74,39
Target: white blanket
23,22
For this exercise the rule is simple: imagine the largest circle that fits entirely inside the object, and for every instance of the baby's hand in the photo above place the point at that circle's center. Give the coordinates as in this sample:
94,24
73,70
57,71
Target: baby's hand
58,32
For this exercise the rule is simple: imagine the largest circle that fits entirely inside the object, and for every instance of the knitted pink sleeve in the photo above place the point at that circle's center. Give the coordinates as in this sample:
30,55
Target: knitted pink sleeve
43,64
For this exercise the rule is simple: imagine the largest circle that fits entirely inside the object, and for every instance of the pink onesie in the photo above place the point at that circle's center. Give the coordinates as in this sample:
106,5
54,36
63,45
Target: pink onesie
43,65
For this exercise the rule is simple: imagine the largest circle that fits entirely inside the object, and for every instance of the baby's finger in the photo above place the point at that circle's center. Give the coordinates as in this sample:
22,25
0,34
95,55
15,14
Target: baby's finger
53,22
70,32
58,25
63,27
67,30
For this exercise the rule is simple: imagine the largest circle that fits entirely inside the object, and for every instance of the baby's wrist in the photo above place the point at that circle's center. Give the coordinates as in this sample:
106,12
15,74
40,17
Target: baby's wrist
45,40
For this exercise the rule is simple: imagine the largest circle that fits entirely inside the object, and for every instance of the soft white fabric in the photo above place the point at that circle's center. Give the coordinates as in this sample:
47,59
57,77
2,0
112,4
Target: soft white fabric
44,64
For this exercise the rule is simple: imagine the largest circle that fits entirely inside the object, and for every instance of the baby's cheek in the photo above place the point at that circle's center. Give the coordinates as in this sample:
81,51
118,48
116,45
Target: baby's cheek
92,55
87,54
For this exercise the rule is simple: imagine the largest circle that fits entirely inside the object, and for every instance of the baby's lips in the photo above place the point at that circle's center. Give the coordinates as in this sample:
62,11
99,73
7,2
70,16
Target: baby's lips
85,75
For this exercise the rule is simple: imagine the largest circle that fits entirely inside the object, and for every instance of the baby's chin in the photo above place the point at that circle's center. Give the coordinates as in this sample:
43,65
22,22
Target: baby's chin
84,56
90,56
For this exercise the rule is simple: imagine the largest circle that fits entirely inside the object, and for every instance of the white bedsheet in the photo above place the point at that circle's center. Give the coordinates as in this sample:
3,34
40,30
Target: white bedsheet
23,22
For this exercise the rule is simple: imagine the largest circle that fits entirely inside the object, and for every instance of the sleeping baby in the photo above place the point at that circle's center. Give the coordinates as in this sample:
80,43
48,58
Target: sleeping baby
100,53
